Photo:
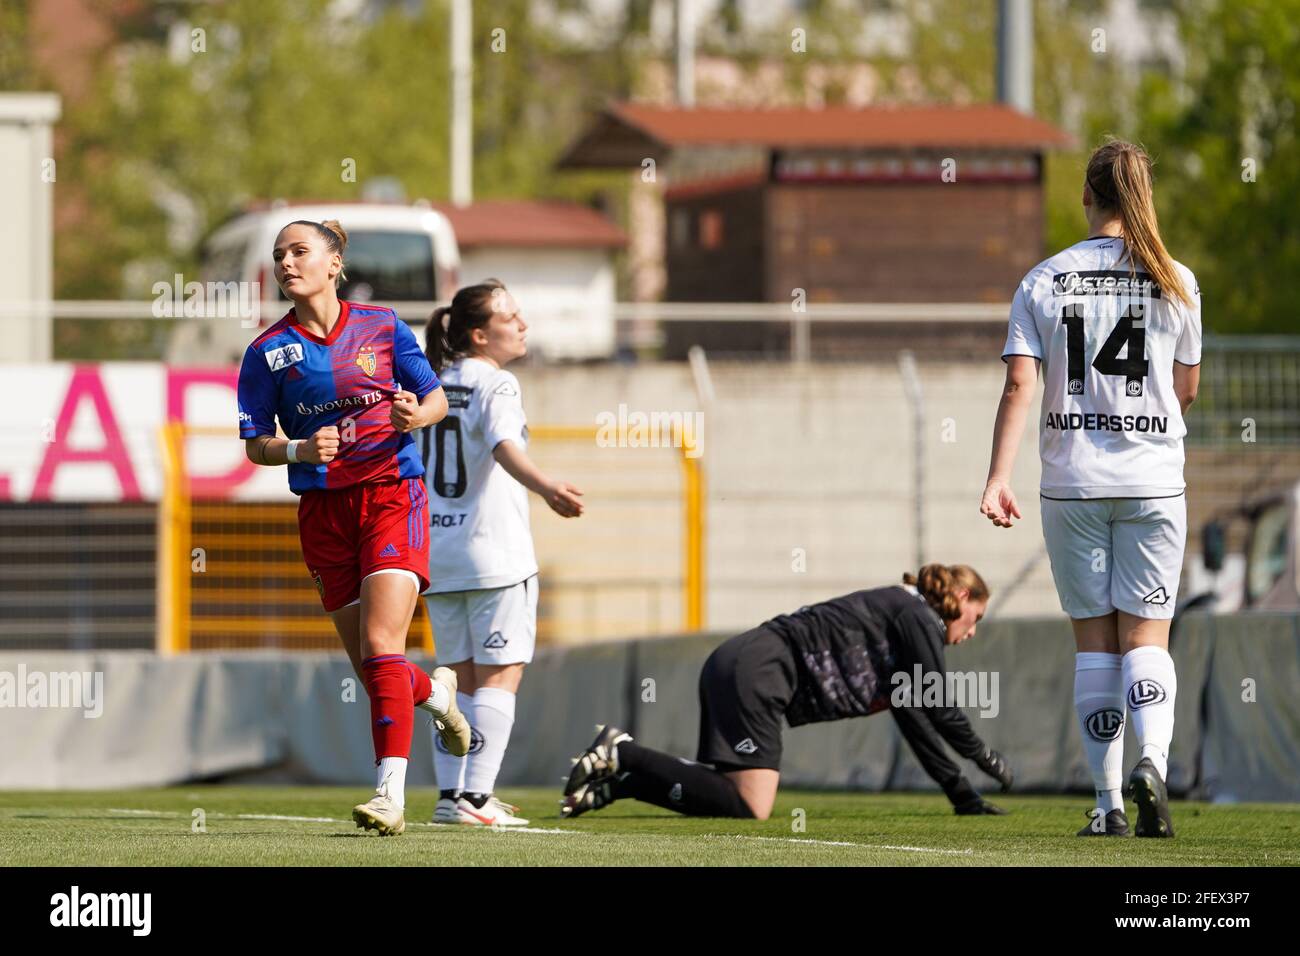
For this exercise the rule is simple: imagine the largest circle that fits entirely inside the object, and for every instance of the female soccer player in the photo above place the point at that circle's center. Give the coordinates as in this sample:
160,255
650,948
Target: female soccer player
483,599
349,384
840,658
1116,324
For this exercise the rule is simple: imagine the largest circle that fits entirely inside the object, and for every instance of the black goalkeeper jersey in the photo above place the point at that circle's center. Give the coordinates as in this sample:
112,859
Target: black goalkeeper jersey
846,651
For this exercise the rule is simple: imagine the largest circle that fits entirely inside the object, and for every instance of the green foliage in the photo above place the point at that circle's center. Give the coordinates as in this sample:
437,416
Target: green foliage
285,92
15,63
280,98
1238,108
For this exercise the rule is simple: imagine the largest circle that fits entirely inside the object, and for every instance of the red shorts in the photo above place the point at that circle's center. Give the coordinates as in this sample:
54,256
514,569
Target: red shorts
348,533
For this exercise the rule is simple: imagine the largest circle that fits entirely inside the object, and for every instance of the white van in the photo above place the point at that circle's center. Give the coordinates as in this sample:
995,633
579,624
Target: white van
405,257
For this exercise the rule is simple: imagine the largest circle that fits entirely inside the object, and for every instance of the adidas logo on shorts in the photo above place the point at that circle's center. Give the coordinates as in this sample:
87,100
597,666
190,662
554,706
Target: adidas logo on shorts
746,746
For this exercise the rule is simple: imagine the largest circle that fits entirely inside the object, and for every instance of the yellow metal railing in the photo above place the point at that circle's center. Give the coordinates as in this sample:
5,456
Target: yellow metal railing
173,545
254,590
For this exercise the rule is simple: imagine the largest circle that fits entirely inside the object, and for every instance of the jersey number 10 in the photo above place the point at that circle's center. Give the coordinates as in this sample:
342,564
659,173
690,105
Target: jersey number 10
1134,366
447,454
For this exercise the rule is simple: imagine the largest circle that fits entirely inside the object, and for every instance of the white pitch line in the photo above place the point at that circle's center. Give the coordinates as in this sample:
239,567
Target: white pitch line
294,819
461,826
868,846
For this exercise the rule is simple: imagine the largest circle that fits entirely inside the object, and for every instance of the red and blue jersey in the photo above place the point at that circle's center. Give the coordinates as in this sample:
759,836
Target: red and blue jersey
346,380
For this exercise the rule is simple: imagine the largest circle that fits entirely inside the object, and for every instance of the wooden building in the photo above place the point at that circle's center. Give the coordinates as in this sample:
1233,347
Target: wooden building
908,204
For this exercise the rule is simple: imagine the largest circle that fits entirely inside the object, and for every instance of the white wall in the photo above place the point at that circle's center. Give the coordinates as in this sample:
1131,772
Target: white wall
566,295
26,224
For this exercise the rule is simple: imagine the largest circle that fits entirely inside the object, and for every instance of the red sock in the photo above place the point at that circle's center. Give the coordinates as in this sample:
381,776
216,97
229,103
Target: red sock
392,712
421,684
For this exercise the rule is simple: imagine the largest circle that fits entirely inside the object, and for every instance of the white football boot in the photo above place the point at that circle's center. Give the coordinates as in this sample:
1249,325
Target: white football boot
452,726
380,813
448,811
494,813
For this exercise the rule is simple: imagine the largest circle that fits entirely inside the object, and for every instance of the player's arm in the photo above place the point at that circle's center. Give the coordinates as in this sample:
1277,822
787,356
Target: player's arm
321,448
999,502
505,428
1022,353
928,747
926,727
919,649
563,498
1187,350
420,400
258,398
409,412
1187,380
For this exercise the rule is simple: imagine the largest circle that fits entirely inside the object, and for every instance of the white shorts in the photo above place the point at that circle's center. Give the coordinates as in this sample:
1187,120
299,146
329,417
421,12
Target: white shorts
1116,553
489,626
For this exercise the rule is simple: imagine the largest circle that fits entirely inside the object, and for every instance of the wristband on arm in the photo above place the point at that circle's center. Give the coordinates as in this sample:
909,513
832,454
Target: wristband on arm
291,450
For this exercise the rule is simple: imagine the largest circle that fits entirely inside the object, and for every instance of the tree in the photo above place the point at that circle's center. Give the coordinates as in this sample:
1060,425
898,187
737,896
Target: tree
1230,174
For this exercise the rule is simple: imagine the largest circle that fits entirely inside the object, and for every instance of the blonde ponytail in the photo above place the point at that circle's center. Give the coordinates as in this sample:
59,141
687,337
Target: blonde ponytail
1119,176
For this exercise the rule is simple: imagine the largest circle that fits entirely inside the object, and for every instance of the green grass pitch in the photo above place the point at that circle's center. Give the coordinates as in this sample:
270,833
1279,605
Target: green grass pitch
311,826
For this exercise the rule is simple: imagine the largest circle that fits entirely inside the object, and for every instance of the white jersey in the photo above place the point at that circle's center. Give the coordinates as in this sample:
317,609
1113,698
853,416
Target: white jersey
479,535
1111,425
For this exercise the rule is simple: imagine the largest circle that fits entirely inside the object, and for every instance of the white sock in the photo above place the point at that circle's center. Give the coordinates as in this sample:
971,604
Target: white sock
393,771
436,702
494,716
1099,705
1151,685
450,770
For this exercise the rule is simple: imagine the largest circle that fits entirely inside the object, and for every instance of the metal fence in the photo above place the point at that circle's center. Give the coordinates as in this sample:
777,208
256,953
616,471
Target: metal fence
231,575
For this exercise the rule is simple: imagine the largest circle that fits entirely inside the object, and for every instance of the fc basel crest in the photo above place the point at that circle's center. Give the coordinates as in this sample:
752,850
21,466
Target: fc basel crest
366,359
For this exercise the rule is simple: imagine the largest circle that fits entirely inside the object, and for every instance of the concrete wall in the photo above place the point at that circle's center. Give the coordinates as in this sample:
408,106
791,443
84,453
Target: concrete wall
267,717
812,487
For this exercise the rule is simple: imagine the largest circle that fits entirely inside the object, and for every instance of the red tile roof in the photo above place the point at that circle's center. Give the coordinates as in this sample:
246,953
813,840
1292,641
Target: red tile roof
527,222
985,126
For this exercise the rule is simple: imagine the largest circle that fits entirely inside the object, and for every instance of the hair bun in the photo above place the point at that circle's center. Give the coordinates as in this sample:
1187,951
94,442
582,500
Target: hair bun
334,226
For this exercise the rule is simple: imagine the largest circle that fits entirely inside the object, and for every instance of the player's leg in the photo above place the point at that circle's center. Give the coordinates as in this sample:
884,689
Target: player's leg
745,686
1080,546
1150,538
393,558
449,619
614,767
387,602
503,630
757,787
1099,707
347,622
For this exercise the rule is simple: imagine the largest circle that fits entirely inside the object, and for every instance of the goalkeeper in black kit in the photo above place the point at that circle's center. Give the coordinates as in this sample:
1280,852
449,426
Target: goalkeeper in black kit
825,662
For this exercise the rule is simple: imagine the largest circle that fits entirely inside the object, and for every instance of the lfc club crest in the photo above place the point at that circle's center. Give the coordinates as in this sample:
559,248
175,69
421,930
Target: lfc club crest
366,359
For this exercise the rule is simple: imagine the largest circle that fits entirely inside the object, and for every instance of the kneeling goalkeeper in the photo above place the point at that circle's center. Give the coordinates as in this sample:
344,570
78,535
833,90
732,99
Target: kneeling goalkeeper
824,662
